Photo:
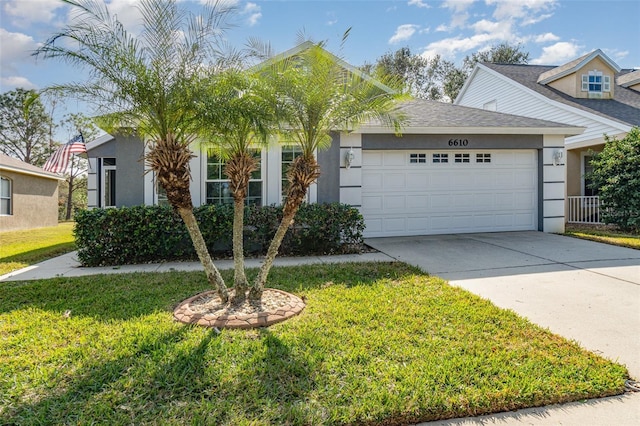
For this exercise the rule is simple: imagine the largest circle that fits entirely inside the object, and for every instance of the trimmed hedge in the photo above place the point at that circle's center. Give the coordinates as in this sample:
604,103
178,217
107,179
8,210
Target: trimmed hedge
143,234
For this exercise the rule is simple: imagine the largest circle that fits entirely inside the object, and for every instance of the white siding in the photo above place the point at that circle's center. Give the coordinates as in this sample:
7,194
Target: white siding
512,98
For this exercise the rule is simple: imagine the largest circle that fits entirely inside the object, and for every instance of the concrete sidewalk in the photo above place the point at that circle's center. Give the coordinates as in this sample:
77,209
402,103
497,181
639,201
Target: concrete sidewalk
68,266
585,291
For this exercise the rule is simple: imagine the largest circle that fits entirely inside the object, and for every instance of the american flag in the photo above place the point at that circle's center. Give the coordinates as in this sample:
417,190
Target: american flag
59,161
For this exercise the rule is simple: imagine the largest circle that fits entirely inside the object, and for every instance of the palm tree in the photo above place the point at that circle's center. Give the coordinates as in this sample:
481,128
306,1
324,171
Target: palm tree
317,95
239,120
149,83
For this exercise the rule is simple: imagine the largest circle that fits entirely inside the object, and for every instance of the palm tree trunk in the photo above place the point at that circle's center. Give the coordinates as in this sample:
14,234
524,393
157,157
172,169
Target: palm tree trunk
213,275
239,279
169,158
303,172
239,169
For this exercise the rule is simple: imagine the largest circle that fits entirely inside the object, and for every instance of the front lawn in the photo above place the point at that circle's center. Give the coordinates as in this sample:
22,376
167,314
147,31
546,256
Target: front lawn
376,344
604,234
19,249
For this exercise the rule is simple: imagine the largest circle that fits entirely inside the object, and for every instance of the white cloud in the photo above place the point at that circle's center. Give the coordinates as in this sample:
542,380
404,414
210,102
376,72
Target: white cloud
418,3
26,12
616,54
16,48
442,28
557,54
458,6
128,14
332,19
545,38
403,32
535,19
13,82
526,10
254,12
449,47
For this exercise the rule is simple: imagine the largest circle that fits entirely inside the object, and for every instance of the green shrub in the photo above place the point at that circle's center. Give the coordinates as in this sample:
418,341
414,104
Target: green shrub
144,234
616,175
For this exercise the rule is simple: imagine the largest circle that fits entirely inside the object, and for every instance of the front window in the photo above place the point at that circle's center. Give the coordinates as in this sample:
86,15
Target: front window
5,196
218,190
108,182
596,82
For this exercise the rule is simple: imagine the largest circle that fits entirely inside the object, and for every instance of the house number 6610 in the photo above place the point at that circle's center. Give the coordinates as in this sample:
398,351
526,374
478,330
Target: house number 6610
458,142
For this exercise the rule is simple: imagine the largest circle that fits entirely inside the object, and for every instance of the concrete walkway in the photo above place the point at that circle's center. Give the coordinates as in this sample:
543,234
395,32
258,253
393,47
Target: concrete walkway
582,290
68,266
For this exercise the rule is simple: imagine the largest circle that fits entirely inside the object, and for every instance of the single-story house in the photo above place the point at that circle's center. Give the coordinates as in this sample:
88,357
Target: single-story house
28,195
591,92
453,170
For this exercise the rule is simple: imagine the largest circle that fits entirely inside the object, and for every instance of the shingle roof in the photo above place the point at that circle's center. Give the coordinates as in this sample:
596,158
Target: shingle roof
15,165
629,79
422,113
624,108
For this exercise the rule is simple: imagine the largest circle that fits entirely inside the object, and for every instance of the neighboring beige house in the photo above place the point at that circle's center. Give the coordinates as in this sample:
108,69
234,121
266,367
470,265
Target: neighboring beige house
28,195
591,92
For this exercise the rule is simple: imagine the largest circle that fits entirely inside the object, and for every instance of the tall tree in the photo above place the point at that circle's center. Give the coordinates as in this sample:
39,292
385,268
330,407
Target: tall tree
150,82
420,77
315,96
24,126
503,53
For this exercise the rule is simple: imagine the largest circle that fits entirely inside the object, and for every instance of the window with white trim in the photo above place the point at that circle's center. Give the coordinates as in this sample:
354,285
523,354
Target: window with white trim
288,154
417,158
217,185
596,82
483,158
461,158
440,158
6,208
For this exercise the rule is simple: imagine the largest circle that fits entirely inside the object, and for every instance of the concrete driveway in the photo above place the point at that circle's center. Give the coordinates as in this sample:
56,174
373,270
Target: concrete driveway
582,290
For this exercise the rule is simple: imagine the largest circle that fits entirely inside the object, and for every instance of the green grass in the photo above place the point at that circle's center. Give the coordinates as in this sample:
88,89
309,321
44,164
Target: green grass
604,234
376,344
19,249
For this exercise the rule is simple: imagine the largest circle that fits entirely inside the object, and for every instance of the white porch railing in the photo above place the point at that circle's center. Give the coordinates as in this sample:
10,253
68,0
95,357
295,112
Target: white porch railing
584,209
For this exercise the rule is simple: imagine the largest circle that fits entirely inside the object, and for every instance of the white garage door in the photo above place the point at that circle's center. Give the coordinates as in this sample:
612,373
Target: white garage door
440,192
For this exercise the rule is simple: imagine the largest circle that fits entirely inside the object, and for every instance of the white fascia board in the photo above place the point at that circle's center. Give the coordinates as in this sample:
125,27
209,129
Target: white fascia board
607,121
466,84
565,131
99,141
31,173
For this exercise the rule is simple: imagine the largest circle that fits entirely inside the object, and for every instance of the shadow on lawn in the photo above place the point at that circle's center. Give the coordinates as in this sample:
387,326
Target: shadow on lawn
126,296
174,379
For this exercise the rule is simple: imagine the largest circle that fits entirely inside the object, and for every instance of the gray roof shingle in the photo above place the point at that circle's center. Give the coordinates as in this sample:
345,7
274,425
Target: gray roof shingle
624,108
13,164
422,113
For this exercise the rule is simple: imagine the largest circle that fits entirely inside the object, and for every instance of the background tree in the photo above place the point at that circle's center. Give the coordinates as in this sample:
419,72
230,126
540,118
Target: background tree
24,126
73,192
149,82
616,176
436,78
315,96
420,77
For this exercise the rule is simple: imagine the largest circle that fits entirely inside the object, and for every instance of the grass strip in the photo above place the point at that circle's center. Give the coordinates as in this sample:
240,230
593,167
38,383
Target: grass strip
378,343
604,234
19,249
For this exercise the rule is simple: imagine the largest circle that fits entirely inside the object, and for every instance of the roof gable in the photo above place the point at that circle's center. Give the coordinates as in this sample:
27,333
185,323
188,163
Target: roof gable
345,65
575,65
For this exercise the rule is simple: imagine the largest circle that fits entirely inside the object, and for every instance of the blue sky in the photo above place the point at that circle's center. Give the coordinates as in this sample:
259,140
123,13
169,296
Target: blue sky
553,31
